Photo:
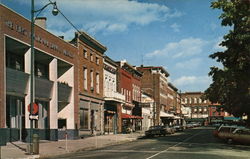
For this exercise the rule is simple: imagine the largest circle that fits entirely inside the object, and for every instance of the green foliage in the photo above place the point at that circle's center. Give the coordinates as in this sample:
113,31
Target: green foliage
231,84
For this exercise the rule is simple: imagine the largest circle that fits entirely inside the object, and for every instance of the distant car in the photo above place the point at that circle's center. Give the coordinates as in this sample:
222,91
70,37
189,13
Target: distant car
178,127
159,130
240,135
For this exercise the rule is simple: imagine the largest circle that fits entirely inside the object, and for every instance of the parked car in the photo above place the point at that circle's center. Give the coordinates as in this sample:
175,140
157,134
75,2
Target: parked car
189,126
178,127
225,131
239,135
159,130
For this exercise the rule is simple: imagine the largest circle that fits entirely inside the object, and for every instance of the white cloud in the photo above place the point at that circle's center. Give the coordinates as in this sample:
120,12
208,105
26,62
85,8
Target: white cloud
106,16
216,46
192,83
183,48
175,27
190,64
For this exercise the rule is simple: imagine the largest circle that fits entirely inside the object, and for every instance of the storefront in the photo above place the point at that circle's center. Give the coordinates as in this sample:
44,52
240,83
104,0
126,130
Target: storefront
55,80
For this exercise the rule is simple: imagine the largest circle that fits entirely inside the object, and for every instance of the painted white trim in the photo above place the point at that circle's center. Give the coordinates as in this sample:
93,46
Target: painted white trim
6,35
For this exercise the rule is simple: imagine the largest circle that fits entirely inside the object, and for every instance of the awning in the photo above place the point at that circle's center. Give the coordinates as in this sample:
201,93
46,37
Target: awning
232,118
177,117
163,114
127,116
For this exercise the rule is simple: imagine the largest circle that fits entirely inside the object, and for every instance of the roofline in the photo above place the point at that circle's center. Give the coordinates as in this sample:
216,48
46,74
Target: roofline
134,68
91,41
172,86
37,25
155,67
108,59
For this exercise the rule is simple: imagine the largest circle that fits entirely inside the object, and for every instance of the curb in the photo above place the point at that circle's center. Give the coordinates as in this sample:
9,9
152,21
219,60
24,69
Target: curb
90,148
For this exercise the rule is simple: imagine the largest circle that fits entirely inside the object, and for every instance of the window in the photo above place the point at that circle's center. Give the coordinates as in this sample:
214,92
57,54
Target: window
91,57
85,81
91,79
200,100
97,60
41,70
15,61
84,120
195,100
97,83
85,53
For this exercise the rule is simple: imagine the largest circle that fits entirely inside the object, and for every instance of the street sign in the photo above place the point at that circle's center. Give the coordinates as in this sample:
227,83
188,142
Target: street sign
35,108
33,117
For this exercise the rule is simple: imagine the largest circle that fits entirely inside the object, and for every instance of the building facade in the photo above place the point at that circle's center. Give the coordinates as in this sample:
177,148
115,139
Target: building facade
113,99
55,82
129,84
148,111
199,107
90,71
155,83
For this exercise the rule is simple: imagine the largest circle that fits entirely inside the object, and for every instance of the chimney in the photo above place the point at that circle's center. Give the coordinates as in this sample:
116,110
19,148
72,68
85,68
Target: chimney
41,21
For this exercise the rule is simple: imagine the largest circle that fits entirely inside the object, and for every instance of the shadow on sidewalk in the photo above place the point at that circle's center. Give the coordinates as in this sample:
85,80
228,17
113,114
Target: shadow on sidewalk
21,148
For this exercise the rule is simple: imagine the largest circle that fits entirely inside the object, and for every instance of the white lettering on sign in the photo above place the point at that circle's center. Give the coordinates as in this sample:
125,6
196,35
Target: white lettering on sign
38,39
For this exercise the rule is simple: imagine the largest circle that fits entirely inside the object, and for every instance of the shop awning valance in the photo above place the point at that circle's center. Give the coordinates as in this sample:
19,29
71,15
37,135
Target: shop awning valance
127,116
163,114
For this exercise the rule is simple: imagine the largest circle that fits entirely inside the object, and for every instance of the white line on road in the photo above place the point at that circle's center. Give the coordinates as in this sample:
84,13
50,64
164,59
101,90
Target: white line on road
174,145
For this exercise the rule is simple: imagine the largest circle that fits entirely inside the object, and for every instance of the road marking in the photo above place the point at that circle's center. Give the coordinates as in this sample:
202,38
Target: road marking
174,145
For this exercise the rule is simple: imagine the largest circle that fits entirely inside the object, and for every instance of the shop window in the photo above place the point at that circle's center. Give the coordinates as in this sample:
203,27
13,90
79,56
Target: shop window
15,111
62,123
84,119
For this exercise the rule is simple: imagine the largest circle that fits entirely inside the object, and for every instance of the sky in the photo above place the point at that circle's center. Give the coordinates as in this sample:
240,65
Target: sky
178,35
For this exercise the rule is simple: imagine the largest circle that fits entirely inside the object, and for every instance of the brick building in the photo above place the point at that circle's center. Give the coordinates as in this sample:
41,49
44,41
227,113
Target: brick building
90,71
129,84
113,99
56,76
155,83
199,107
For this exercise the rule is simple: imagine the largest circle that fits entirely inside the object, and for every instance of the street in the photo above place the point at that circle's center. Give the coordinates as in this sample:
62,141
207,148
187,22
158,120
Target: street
194,143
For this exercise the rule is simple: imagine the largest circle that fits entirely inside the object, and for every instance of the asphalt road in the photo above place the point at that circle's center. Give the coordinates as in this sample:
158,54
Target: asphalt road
195,143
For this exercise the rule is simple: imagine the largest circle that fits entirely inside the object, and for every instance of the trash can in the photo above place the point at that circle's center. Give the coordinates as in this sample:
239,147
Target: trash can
35,140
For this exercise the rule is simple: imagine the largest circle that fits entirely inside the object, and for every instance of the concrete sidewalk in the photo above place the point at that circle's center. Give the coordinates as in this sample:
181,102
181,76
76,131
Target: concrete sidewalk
17,150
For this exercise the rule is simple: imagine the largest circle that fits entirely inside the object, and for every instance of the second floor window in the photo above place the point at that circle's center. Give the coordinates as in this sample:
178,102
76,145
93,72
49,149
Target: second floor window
41,70
91,79
15,61
85,54
91,57
97,82
97,60
85,81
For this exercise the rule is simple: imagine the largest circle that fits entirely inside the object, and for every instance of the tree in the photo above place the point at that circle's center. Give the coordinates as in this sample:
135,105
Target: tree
231,84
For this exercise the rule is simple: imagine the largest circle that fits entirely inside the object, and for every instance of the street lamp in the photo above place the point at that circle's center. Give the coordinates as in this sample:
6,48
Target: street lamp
32,82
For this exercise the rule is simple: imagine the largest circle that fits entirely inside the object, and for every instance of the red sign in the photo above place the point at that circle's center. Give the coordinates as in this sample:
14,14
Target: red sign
35,108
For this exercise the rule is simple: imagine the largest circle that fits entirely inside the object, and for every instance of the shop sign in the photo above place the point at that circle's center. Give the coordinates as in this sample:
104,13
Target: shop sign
24,32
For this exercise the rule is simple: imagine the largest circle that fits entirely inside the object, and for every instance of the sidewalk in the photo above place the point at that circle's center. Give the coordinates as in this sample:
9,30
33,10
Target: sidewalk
17,150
